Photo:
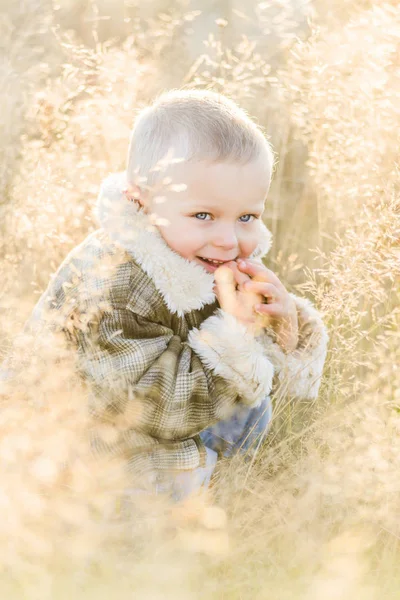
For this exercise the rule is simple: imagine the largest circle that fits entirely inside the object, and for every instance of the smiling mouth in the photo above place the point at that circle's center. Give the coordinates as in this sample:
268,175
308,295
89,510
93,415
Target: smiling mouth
211,261
211,264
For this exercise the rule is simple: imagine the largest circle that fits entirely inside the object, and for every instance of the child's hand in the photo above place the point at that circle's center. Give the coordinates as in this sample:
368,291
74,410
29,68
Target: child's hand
280,306
232,297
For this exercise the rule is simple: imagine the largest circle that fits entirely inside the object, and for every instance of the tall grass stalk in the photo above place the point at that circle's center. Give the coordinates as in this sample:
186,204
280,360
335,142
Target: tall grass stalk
315,515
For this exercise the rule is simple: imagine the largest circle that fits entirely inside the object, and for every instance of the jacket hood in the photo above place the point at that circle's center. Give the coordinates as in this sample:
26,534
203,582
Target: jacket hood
184,285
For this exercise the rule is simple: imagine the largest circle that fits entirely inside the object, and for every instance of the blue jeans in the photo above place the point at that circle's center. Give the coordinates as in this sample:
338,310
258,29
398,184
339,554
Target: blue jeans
242,432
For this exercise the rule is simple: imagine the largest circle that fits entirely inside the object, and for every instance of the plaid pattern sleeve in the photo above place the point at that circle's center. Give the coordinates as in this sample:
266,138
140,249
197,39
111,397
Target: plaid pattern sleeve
151,379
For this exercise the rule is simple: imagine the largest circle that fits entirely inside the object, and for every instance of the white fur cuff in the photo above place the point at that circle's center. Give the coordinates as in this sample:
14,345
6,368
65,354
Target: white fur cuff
231,351
300,371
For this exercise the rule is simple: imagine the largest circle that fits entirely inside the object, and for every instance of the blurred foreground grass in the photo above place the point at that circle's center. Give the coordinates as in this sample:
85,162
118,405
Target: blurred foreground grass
317,514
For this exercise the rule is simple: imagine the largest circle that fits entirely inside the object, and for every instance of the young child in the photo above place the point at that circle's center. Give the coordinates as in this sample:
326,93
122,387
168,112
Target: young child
180,330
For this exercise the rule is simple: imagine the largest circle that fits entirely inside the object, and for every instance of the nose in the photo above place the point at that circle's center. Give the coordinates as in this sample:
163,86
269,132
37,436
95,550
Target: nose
225,236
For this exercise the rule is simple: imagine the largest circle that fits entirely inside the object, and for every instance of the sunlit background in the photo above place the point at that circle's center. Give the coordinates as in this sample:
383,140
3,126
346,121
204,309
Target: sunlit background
316,516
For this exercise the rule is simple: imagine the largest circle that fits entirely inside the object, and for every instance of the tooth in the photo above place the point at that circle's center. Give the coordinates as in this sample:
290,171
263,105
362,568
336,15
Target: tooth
215,262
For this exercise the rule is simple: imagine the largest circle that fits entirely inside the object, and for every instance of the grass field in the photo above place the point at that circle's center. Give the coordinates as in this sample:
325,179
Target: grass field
316,515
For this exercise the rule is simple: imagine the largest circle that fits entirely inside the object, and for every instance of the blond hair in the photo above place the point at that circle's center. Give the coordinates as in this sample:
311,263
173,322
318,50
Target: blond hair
191,126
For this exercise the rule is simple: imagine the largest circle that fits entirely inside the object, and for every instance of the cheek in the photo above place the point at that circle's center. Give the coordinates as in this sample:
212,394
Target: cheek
249,240
183,238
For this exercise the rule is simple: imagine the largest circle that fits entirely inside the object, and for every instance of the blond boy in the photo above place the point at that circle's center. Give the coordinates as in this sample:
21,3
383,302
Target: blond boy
181,332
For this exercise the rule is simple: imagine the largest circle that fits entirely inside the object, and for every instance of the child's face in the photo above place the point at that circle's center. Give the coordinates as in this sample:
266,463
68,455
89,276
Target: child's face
218,216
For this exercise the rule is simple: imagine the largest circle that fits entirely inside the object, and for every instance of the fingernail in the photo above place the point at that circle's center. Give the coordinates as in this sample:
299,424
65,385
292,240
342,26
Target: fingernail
241,261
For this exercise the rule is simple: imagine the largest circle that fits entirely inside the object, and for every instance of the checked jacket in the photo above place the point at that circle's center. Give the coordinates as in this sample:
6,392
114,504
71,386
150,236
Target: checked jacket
161,360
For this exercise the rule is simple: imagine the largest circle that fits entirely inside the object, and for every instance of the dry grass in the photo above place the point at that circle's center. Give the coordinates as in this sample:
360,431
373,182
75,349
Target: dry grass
316,515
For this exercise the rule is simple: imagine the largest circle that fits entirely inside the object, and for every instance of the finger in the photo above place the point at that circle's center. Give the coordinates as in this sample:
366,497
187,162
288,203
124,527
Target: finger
253,268
259,272
226,286
272,310
224,277
240,277
269,290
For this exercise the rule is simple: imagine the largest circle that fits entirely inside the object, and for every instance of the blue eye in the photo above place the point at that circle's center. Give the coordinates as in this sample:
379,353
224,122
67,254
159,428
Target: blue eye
246,218
204,216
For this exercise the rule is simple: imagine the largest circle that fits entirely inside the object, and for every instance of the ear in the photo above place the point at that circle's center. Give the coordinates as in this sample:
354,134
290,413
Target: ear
134,194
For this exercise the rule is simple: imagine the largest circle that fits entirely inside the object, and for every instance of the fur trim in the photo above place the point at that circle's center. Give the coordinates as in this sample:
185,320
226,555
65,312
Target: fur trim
184,285
226,347
265,245
300,371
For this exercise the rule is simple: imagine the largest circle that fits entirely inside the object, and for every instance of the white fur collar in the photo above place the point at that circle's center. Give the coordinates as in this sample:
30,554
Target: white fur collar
184,285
